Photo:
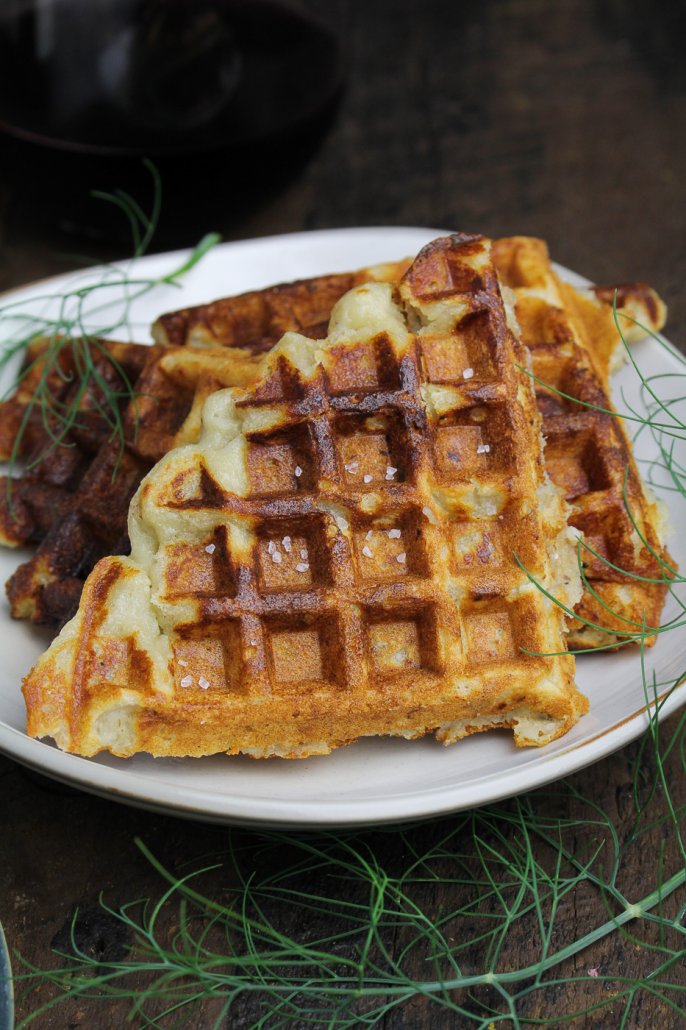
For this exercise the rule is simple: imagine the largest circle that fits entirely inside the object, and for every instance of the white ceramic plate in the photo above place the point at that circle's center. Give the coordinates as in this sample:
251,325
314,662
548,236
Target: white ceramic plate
373,781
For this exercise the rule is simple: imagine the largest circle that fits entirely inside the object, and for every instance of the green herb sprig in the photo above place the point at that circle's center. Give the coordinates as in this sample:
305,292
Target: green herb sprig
510,868
85,314
667,427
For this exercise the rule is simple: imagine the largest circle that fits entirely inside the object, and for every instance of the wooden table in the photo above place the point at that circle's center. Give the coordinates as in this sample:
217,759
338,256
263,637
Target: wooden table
520,116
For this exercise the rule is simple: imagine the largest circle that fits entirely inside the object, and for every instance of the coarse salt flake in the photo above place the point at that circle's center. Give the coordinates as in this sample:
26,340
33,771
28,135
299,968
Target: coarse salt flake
402,557
286,544
302,566
183,663
369,534
390,472
187,681
203,683
393,534
352,466
366,552
303,552
271,547
483,448
468,373
277,557
298,471
367,478
210,548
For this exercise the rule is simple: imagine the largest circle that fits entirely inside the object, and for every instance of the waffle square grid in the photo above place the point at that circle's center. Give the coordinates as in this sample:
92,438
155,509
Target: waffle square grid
336,555
327,601
343,560
587,453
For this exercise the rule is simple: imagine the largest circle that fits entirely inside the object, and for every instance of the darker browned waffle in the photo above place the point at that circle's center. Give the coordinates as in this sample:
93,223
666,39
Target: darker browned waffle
74,501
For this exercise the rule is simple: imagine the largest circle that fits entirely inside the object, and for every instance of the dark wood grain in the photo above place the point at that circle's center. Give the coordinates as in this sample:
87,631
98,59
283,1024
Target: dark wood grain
518,116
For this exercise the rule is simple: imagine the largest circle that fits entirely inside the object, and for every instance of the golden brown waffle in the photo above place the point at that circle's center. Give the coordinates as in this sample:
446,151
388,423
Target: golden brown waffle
335,556
588,454
74,501
256,320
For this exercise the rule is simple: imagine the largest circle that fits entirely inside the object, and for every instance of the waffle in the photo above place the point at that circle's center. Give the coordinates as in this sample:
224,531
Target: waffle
640,312
74,502
258,319
335,556
571,337
47,588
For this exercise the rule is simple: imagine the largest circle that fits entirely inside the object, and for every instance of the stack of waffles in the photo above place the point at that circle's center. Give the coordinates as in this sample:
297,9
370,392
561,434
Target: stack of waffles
356,543
72,501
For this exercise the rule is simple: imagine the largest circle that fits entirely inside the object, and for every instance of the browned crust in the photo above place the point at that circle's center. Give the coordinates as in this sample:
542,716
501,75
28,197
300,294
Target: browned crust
258,318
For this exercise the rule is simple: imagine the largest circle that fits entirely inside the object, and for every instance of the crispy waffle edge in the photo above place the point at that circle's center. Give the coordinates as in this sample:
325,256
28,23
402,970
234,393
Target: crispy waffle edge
574,341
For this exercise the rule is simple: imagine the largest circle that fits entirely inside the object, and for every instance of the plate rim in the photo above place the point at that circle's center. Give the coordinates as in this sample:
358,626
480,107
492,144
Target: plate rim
192,802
